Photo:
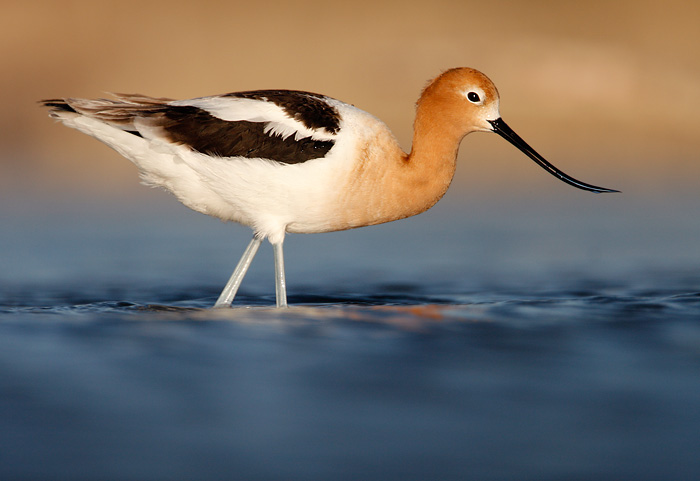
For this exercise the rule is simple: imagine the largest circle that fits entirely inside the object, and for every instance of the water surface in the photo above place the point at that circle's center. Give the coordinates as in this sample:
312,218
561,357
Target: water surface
505,343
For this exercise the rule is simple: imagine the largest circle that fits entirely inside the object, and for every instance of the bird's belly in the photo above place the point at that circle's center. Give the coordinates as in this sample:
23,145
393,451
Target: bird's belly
271,198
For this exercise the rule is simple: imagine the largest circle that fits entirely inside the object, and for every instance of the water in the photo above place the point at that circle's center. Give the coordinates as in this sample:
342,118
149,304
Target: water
504,343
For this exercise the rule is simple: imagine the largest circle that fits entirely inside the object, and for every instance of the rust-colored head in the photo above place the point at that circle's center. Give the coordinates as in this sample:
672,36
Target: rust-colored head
464,97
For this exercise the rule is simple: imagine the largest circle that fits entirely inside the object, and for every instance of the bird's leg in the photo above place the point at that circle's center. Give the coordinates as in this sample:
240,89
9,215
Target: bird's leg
229,292
280,282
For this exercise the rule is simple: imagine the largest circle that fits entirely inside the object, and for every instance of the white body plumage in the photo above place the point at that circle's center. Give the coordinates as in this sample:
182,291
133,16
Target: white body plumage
269,196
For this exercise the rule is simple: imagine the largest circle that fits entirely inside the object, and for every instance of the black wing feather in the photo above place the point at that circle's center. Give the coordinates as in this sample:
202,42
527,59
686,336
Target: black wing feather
205,133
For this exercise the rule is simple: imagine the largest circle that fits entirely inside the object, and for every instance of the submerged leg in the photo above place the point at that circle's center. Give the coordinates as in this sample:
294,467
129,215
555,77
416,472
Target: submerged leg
280,282
229,292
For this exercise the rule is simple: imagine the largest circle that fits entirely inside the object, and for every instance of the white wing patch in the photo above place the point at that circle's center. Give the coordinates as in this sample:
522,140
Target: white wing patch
276,120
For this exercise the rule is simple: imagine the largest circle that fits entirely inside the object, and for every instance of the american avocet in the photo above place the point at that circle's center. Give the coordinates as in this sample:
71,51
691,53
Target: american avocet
284,161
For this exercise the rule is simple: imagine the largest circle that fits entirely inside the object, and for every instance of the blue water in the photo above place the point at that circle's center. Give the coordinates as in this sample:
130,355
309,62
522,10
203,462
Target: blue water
520,340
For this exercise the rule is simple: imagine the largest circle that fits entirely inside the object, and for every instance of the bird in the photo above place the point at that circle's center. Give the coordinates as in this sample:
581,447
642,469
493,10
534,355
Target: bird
290,161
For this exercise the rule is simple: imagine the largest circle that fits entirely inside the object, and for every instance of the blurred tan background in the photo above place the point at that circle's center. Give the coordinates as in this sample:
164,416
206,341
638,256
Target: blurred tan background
609,91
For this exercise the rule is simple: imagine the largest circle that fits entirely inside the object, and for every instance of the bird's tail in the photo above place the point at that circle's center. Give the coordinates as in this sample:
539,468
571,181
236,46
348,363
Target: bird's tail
119,112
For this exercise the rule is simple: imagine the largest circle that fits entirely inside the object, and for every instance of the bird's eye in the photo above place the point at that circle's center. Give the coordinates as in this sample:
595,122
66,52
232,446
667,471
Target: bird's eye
473,97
